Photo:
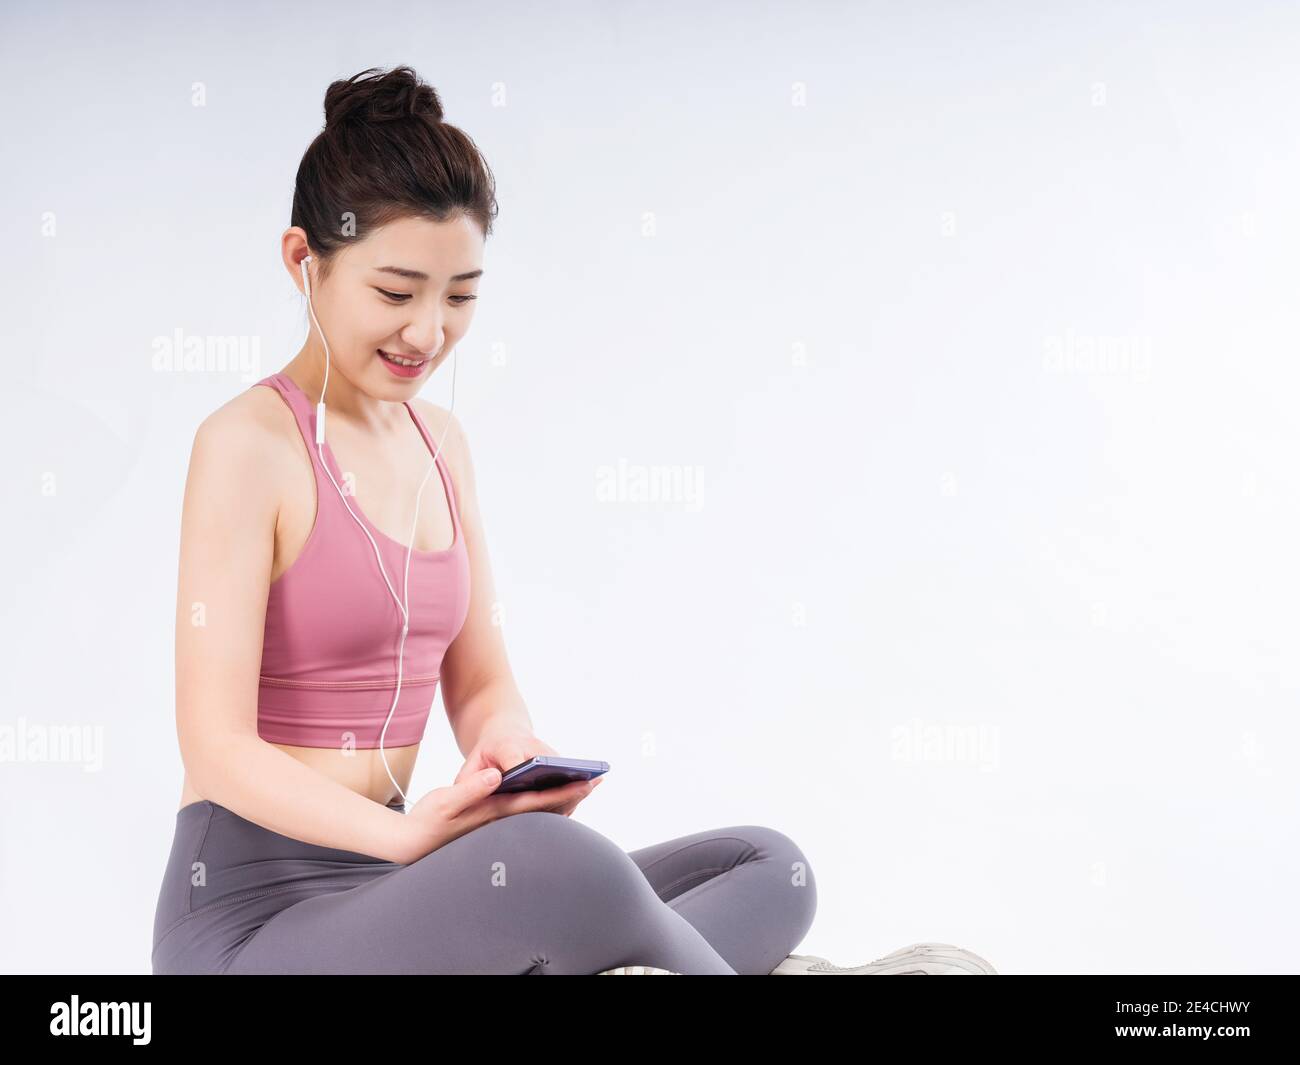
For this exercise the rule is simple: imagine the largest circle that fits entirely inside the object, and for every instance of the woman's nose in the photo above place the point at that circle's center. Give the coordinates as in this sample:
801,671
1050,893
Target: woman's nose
425,336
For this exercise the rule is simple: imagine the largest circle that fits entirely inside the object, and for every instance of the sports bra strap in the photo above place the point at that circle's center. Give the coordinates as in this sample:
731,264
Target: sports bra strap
302,412
444,470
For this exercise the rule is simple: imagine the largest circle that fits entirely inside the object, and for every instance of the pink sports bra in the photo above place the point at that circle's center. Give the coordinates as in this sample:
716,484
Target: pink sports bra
329,651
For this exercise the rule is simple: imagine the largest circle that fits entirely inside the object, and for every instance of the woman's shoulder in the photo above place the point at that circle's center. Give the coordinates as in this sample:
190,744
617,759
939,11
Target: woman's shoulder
259,406
255,422
238,464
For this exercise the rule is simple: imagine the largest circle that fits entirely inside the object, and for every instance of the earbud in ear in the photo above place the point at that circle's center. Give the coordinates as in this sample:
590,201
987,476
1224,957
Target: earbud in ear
306,278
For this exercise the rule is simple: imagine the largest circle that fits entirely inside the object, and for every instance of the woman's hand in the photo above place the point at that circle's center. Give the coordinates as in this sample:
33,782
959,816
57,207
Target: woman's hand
447,813
504,745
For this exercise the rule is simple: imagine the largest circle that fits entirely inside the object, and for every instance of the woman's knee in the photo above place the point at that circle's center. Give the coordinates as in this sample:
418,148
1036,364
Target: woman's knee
572,884
568,851
777,846
790,864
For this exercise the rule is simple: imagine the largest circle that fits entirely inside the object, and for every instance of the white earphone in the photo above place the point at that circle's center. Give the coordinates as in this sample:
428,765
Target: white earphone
402,604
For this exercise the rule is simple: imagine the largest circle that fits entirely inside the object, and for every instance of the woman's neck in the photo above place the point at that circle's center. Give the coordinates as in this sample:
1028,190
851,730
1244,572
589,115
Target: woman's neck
307,370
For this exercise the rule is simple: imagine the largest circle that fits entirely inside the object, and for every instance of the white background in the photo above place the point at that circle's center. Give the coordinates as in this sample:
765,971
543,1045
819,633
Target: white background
845,264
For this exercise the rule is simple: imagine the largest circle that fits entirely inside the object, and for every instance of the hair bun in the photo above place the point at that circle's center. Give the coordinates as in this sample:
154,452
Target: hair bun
386,97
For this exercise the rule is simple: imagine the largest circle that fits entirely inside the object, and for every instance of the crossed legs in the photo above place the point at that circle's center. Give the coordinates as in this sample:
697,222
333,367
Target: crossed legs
541,893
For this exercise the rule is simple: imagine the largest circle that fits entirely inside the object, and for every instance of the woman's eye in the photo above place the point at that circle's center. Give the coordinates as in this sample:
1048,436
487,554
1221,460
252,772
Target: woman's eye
402,297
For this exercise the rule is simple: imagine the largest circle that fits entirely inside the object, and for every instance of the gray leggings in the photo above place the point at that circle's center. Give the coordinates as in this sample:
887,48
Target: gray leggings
531,893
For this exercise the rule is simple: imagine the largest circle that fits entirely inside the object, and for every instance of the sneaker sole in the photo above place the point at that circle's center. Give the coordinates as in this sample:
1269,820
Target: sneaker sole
917,959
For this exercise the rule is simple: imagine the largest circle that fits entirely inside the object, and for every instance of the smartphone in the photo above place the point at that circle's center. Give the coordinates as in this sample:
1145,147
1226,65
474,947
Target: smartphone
540,773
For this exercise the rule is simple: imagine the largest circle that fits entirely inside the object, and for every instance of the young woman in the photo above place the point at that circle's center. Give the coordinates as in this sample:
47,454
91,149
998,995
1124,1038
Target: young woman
329,583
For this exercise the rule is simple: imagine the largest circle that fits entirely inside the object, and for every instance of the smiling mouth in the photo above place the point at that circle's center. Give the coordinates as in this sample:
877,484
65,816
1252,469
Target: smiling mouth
398,360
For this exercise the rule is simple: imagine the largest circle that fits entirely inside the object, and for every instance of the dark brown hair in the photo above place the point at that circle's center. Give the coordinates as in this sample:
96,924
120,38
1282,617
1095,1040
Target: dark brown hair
385,154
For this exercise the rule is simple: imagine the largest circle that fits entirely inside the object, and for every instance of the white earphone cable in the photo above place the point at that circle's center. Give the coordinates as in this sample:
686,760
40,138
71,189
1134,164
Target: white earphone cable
403,603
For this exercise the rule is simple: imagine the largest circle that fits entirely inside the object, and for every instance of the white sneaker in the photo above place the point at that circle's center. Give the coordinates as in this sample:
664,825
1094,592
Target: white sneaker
917,959
637,970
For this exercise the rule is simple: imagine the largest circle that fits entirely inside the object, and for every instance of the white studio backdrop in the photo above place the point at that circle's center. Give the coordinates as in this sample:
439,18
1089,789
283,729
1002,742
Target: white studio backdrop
884,418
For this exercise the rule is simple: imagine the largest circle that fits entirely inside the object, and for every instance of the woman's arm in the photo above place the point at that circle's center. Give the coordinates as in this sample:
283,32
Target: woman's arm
477,684
227,550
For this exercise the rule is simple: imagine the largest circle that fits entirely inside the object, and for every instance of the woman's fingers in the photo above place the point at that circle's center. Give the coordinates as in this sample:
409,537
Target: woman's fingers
561,800
588,787
568,797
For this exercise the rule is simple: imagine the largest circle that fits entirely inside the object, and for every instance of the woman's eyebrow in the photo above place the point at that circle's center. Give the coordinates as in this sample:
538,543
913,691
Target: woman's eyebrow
417,275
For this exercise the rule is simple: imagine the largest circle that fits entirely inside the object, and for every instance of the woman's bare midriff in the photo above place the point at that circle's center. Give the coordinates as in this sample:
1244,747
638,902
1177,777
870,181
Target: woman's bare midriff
360,770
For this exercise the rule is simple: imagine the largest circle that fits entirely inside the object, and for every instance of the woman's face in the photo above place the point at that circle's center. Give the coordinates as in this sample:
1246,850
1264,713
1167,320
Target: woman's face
407,290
